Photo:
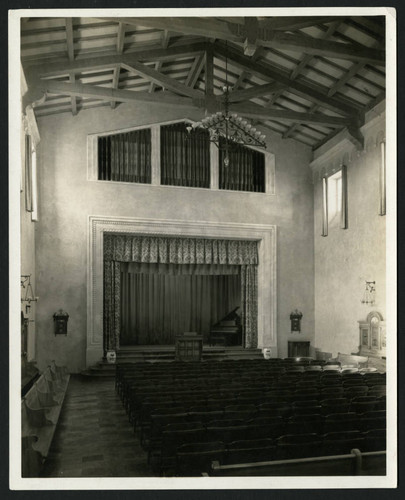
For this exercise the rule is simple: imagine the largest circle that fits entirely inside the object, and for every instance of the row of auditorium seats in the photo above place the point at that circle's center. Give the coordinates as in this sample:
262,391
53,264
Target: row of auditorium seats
193,458
224,401
165,439
357,463
40,410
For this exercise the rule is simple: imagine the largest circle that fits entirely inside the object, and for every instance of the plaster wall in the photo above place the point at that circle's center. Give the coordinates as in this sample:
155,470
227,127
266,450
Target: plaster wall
346,258
67,198
27,257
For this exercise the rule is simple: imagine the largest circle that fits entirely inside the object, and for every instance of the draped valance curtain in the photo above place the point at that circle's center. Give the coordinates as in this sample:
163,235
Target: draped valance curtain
179,251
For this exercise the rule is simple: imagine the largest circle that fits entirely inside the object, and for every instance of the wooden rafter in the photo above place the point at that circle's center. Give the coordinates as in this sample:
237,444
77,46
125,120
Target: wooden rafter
250,110
158,65
69,38
250,43
307,58
71,55
121,37
195,71
73,99
294,23
256,91
245,74
115,82
108,94
308,91
265,37
326,48
161,79
110,61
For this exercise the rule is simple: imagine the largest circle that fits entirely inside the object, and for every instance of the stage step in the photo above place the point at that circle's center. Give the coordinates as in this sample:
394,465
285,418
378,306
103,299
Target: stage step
166,354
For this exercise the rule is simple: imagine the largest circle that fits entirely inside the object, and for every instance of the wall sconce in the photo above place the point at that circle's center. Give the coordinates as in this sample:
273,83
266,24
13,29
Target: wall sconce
369,293
295,318
29,292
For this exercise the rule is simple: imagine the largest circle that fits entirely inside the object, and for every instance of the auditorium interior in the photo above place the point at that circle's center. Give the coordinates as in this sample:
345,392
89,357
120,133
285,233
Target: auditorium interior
203,211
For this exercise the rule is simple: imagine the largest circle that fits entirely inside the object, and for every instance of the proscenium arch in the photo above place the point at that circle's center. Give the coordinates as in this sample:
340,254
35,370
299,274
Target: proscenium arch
265,234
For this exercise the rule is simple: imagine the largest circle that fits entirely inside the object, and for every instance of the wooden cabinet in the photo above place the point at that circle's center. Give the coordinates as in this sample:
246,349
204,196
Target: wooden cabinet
372,335
298,348
189,347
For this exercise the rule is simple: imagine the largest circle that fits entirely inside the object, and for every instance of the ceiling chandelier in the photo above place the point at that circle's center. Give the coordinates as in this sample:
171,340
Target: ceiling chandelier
226,129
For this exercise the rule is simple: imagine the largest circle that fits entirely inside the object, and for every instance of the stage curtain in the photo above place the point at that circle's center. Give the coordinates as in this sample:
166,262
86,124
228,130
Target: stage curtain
185,159
157,307
249,305
165,250
125,157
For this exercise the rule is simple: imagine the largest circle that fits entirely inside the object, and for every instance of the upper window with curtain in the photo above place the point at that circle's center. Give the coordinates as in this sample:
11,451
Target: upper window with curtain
185,160
243,171
125,157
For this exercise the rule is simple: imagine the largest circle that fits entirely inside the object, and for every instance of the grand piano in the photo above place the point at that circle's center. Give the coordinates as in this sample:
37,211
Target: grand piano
228,331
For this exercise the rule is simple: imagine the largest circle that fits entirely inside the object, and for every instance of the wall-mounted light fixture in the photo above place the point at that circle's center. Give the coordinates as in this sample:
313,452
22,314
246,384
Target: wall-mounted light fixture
29,292
369,293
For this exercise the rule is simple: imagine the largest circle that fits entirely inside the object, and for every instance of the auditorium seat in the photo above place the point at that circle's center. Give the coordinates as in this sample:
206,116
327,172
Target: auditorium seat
240,411
298,446
331,392
253,450
279,408
377,390
331,368
362,404
341,422
205,413
305,395
373,420
341,443
172,439
355,390
305,424
307,410
335,405
375,440
313,367
194,458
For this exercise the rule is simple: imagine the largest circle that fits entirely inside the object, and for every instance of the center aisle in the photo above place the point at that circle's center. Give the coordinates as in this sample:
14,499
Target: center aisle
94,437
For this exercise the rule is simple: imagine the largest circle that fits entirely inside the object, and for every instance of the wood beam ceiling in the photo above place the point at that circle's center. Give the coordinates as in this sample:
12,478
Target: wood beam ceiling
307,91
63,67
248,109
264,37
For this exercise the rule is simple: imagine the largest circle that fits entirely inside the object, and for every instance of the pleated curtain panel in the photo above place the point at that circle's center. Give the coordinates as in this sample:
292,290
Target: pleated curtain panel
125,157
246,169
185,159
207,254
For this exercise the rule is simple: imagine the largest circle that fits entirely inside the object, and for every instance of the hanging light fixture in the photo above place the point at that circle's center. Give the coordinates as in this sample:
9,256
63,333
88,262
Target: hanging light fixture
228,129
369,293
29,293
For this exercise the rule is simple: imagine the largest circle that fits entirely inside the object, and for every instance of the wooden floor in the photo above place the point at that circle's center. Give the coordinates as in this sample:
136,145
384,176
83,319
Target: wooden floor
93,437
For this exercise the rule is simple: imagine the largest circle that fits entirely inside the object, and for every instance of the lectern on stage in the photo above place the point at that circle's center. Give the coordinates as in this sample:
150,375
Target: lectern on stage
189,347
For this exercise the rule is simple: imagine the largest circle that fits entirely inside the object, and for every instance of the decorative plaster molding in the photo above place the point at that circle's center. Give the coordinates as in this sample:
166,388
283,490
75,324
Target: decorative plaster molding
265,234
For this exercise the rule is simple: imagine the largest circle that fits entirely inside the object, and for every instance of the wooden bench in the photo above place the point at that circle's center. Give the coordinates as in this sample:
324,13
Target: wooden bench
40,410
